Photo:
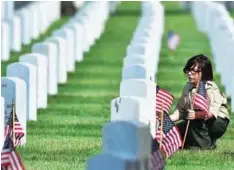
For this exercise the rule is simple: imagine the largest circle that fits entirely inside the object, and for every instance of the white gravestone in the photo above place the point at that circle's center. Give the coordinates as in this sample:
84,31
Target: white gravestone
72,48
40,62
15,34
2,127
140,36
145,89
81,21
8,9
99,27
58,13
25,25
61,58
67,34
95,20
33,9
5,42
77,39
50,51
129,108
86,37
2,10
28,73
43,16
136,71
135,59
91,25
14,88
232,97
227,67
49,12
137,49
37,16
126,146
140,60
80,40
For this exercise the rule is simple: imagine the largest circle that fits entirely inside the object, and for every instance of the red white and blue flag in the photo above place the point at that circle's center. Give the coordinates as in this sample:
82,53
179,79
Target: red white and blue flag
201,99
164,100
18,129
9,157
171,138
173,40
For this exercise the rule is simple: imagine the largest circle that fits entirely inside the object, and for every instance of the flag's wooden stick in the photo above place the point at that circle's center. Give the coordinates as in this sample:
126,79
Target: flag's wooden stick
191,106
13,122
161,132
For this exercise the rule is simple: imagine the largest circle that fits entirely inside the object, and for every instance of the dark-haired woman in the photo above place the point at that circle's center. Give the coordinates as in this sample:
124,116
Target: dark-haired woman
203,104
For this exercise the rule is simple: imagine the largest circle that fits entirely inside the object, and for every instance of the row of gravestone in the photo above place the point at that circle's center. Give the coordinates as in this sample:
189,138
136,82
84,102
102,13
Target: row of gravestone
37,74
229,5
20,27
214,20
127,138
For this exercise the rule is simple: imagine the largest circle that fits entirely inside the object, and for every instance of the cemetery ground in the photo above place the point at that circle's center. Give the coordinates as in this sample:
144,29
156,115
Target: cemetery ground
68,132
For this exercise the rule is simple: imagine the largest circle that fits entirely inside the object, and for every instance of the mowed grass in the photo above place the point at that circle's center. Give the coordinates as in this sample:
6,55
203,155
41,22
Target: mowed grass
69,131
171,77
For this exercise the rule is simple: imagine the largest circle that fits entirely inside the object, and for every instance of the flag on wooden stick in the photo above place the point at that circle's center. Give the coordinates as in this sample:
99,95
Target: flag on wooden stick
167,134
9,157
14,128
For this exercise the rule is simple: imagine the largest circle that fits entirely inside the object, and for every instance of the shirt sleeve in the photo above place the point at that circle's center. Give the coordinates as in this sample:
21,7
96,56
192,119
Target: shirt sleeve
216,100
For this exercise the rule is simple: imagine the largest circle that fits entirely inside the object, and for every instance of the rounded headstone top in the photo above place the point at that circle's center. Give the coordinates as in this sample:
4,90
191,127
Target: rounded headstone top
13,80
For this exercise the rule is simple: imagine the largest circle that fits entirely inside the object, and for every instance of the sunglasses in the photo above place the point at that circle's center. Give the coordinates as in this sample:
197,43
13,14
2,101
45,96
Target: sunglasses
192,71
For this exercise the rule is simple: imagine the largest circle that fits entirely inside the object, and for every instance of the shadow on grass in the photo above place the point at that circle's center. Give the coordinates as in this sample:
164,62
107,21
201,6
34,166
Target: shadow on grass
132,12
62,129
62,155
229,154
68,99
176,12
127,12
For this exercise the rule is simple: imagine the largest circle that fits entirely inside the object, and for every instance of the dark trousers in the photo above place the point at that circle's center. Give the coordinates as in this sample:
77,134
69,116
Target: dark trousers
197,135
203,134
217,128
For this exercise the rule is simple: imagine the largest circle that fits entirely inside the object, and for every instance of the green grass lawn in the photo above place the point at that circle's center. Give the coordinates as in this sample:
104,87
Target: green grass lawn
68,132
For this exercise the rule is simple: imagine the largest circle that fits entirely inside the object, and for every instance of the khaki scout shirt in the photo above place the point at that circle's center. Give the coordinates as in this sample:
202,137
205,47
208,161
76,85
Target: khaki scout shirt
217,101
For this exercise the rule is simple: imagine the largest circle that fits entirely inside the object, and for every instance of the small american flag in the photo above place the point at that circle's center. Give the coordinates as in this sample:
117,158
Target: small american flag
163,99
201,100
157,160
171,138
9,157
18,130
173,40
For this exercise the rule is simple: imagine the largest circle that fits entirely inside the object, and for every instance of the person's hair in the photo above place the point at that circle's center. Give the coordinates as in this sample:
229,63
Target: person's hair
204,65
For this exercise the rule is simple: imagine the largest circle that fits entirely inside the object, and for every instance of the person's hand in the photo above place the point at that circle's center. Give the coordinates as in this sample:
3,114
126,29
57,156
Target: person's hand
159,115
191,114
